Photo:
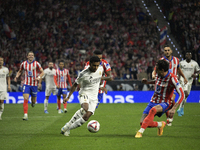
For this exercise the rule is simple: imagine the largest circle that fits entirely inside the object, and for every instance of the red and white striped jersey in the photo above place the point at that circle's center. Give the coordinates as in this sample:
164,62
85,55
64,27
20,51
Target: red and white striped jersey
164,89
106,67
173,64
62,76
31,72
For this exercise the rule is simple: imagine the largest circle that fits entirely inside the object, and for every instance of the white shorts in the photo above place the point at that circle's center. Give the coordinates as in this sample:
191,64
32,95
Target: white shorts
49,91
3,95
186,87
92,103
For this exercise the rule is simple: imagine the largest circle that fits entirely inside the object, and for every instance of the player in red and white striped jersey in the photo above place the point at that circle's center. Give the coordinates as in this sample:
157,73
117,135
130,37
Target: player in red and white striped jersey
62,75
173,68
31,68
107,73
160,102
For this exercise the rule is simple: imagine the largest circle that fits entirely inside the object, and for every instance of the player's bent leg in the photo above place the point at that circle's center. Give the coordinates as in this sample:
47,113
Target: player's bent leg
170,120
142,118
33,101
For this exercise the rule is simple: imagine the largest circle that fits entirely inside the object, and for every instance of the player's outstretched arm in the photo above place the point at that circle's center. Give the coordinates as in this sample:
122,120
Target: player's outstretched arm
18,74
109,76
73,88
144,80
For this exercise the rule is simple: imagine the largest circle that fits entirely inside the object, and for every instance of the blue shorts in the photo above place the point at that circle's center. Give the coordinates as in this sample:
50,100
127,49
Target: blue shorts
31,90
100,96
62,91
164,105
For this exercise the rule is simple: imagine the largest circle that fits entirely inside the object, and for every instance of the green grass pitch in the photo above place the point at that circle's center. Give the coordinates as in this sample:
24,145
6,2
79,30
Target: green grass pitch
119,123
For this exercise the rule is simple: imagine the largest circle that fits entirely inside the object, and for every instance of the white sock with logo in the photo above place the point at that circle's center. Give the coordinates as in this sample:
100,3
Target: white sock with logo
79,122
45,104
78,114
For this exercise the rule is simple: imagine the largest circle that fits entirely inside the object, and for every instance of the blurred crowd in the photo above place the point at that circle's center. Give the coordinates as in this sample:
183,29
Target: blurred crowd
72,30
184,19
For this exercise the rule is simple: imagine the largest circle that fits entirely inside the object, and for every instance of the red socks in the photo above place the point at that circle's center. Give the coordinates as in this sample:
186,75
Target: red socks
65,105
59,104
148,121
25,106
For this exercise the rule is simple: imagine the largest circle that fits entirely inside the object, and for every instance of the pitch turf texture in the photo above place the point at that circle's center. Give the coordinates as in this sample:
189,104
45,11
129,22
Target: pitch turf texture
119,123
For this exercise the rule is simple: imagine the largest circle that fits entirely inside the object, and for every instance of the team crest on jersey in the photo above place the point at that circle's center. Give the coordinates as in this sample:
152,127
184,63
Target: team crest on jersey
99,72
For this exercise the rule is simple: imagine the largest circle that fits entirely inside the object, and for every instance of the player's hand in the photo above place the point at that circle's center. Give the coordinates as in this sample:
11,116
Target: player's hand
104,89
65,100
9,89
144,80
57,87
15,79
185,81
39,86
37,79
171,113
194,75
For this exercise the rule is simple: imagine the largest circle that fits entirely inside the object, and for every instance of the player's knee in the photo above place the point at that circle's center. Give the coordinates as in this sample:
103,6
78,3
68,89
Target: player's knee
153,110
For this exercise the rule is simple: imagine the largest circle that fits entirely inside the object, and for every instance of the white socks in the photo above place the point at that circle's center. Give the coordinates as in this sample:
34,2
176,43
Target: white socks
1,108
79,122
141,130
45,104
78,114
159,124
182,103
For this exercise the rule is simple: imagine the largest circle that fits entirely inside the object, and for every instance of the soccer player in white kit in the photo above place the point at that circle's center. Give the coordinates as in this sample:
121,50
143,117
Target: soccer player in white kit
4,76
191,70
50,82
89,80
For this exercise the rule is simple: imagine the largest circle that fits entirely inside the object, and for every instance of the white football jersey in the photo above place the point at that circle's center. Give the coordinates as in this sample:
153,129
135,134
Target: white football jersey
49,78
4,73
188,69
89,82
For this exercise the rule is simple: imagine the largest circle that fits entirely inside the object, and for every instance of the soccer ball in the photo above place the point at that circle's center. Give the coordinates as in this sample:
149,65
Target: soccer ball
93,126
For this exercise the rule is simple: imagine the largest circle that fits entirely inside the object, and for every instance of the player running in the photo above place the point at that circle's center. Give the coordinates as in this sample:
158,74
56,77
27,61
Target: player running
107,73
160,102
89,80
50,82
4,79
173,68
191,70
62,75
31,68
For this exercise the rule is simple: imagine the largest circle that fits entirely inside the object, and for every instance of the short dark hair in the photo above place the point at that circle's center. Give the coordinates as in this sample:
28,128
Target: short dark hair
61,61
162,64
188,51
166,45
97,52
30,52
94,59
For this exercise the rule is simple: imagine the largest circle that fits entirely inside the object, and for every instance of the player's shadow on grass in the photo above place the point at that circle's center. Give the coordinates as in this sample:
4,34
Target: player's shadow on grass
107,135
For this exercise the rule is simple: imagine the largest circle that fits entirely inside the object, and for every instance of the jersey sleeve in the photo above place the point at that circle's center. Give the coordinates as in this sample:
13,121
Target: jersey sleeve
69,79
7,72
178,88
39,66
79,78
86,65
197,67
21,66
